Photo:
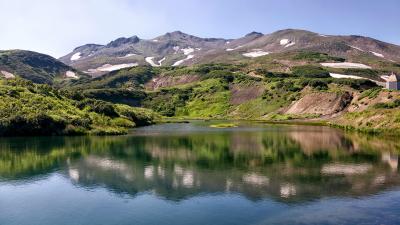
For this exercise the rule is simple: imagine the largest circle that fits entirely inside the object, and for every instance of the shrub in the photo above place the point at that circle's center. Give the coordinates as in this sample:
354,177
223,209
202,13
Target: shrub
40,124
98,106
389,105
310,71
316,57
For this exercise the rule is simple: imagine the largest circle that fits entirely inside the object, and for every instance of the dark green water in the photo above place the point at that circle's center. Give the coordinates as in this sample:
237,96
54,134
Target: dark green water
185,174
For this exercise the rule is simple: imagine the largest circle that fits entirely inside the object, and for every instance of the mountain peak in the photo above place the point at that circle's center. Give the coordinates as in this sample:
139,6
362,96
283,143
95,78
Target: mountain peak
121,41
293,31
87,46
176,34
254,33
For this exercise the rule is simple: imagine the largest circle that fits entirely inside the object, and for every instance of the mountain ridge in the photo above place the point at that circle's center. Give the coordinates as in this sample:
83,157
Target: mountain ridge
178,48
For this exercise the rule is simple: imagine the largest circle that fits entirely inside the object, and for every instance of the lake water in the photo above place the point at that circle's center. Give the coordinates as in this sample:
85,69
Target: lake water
191,174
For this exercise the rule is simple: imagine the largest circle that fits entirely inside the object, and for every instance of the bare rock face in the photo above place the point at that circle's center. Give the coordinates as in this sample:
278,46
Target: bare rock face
321,104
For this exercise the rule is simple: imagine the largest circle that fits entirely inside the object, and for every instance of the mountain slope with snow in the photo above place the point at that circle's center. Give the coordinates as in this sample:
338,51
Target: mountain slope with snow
179,49
35,67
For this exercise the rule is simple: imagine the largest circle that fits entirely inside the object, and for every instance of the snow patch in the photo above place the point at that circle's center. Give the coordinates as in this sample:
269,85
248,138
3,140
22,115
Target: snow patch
378,54
70,74
161,61
76,56
176,48
187,51
109,67
322,35
340,76
127,55
255,54
150,61
233,49
177,63
227,43
7,75
155,40
284,41
357,48
346,65
290,44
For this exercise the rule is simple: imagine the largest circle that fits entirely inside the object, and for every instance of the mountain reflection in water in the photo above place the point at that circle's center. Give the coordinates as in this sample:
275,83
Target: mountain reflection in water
180,161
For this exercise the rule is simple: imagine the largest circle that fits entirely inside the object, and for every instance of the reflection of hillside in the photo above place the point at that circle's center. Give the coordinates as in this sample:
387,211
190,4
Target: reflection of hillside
294,165
317,140
177,182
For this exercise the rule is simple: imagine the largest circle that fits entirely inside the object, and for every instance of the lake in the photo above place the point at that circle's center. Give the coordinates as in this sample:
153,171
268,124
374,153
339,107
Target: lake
190,173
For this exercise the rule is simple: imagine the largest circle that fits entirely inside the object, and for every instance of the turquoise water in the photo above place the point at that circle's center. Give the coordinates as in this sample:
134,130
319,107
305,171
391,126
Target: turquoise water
194,174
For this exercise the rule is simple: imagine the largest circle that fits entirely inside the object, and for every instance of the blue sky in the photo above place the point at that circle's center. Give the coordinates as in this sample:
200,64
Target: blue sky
55,27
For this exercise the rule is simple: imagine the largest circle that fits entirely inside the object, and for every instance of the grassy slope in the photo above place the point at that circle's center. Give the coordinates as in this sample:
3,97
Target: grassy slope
31,109
381,116
283,77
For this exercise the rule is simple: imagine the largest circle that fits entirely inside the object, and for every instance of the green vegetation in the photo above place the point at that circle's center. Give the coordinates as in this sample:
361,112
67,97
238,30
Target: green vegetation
316,57
371,93
389,105
36,67
220,91
309,71
223,125
34,109
258,89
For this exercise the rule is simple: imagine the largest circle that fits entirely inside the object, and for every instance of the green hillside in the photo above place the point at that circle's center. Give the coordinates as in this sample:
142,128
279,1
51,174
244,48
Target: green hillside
35,109
231,91
36,67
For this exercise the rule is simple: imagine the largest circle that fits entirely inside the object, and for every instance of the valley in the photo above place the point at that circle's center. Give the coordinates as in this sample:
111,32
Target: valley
286,76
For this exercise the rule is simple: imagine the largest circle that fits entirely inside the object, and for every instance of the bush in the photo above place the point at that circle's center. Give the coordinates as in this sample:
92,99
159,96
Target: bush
98,106
389,105
316,57
40,124
139,116
310,71
319,84
361,84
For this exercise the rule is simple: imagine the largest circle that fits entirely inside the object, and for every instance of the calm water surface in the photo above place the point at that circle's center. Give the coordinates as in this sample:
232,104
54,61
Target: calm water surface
191,174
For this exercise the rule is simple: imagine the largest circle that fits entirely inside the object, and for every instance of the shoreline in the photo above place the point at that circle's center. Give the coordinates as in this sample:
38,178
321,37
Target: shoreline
325,123
321,123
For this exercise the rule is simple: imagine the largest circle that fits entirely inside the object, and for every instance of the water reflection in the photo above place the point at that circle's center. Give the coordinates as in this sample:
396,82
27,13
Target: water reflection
284,163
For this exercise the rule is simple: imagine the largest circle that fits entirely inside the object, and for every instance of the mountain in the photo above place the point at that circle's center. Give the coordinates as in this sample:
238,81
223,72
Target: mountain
170,49
36,67
177,48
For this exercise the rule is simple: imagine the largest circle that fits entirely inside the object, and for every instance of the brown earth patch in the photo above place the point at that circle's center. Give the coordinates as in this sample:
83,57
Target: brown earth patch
241,93
320,103
169,81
